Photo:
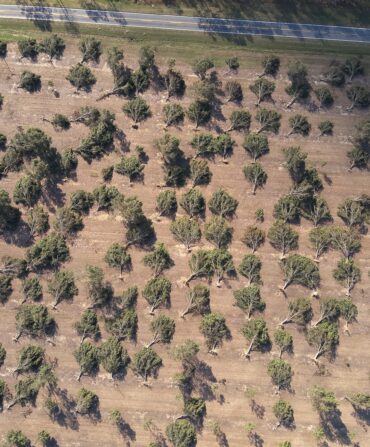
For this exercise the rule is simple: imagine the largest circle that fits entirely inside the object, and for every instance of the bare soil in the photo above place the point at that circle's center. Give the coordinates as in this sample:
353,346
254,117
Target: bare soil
233,373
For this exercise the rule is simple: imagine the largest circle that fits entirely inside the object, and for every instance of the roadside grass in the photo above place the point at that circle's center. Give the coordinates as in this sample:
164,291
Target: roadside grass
186,46
353,13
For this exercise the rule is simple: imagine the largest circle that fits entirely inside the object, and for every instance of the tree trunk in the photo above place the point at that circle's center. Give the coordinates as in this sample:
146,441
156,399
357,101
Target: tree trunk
219,280
192,276
12,403
153,342
350,108
281,352
320,320
231,128
248,351
55,303
18,336
254,188
291,102
152,309
317,355
261,129
290,133
79,376
185,312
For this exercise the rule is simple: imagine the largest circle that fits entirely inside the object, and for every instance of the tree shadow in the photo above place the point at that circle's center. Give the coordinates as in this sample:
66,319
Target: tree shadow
66,416
19,236
257,409
126,431
124,143
334,428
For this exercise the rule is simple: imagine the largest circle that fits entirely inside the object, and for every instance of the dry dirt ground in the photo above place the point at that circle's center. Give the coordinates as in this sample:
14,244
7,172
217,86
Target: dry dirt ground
160,401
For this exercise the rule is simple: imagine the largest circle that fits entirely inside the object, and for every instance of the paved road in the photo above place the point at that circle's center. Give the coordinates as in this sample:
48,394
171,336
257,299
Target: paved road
184,23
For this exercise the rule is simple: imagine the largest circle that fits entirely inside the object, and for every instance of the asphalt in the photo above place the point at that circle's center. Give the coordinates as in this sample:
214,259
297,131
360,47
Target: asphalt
184,23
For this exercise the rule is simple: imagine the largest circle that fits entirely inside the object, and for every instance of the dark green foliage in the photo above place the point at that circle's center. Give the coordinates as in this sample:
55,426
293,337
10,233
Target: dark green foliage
198,301
334,75
348,274
146,363
163,329
62,286
67,221
200,265
3,49
146,58
90,49
299,87
233,91
32,289
299,312
105,197
200,173
358,158
117,257
218,232
240,120
69,162
137,109
158,260
223,145
53,46
123,326
214,329
351,212
195,409
324,337
249,300
348,311
48,253
199,112
14,267
15,438
3,139
299,124
100,291
28,48
181,433
253,238
221,264
269,120
9,216
324,96
281,373
284,413
167,203
5,287
282,237
284,341
33,320
326,127
193,202
353,67
2,358
157,292
256,145
320,239
174,83
87,356
81,201
27,191
169,148
295,161
262,89
186,231
30,81
140,81
359,97
201,67
88,325
255,331
271,65
222,204
30,359
256,175
233,63
44,438
323,400
87,402
113,356
250,268
300,270
287,210
202,143
81,77
173,114
60,121
346,240
316,210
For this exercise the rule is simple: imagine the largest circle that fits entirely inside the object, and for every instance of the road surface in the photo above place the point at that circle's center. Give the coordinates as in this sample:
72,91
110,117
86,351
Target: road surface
184,23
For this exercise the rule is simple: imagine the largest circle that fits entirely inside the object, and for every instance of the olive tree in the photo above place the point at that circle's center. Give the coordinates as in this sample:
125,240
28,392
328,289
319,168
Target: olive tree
325,127
158,260
81,201
146,363
233,63
256,176
249,300
181,433
28,48
351,212
316,210
223,145
67,221
256,145
163,330
269,121
9,215
214,329
221,264
299,87
131,167
173,114
262,89
27,191
359,97
358,158
299,124
324,337
90,49
137,109
348,274
31,289
240,120
87,326
300,270
117,257
287,209
186,231
299,312
113,356
199,112
353,67
234,91
323,400
200,265
105,197
281,373
174,83
253,237
124,325
250,268
203,145
201,67
349,312
198,302
53,46
16,438
324,96
270,65
284,341
167,203
34,321
62,287
222,203
81,77
87,356
100,291
346,240
157,292
256,333
284,414
87,402
282,237
218,232
320,239
30,359
193,202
